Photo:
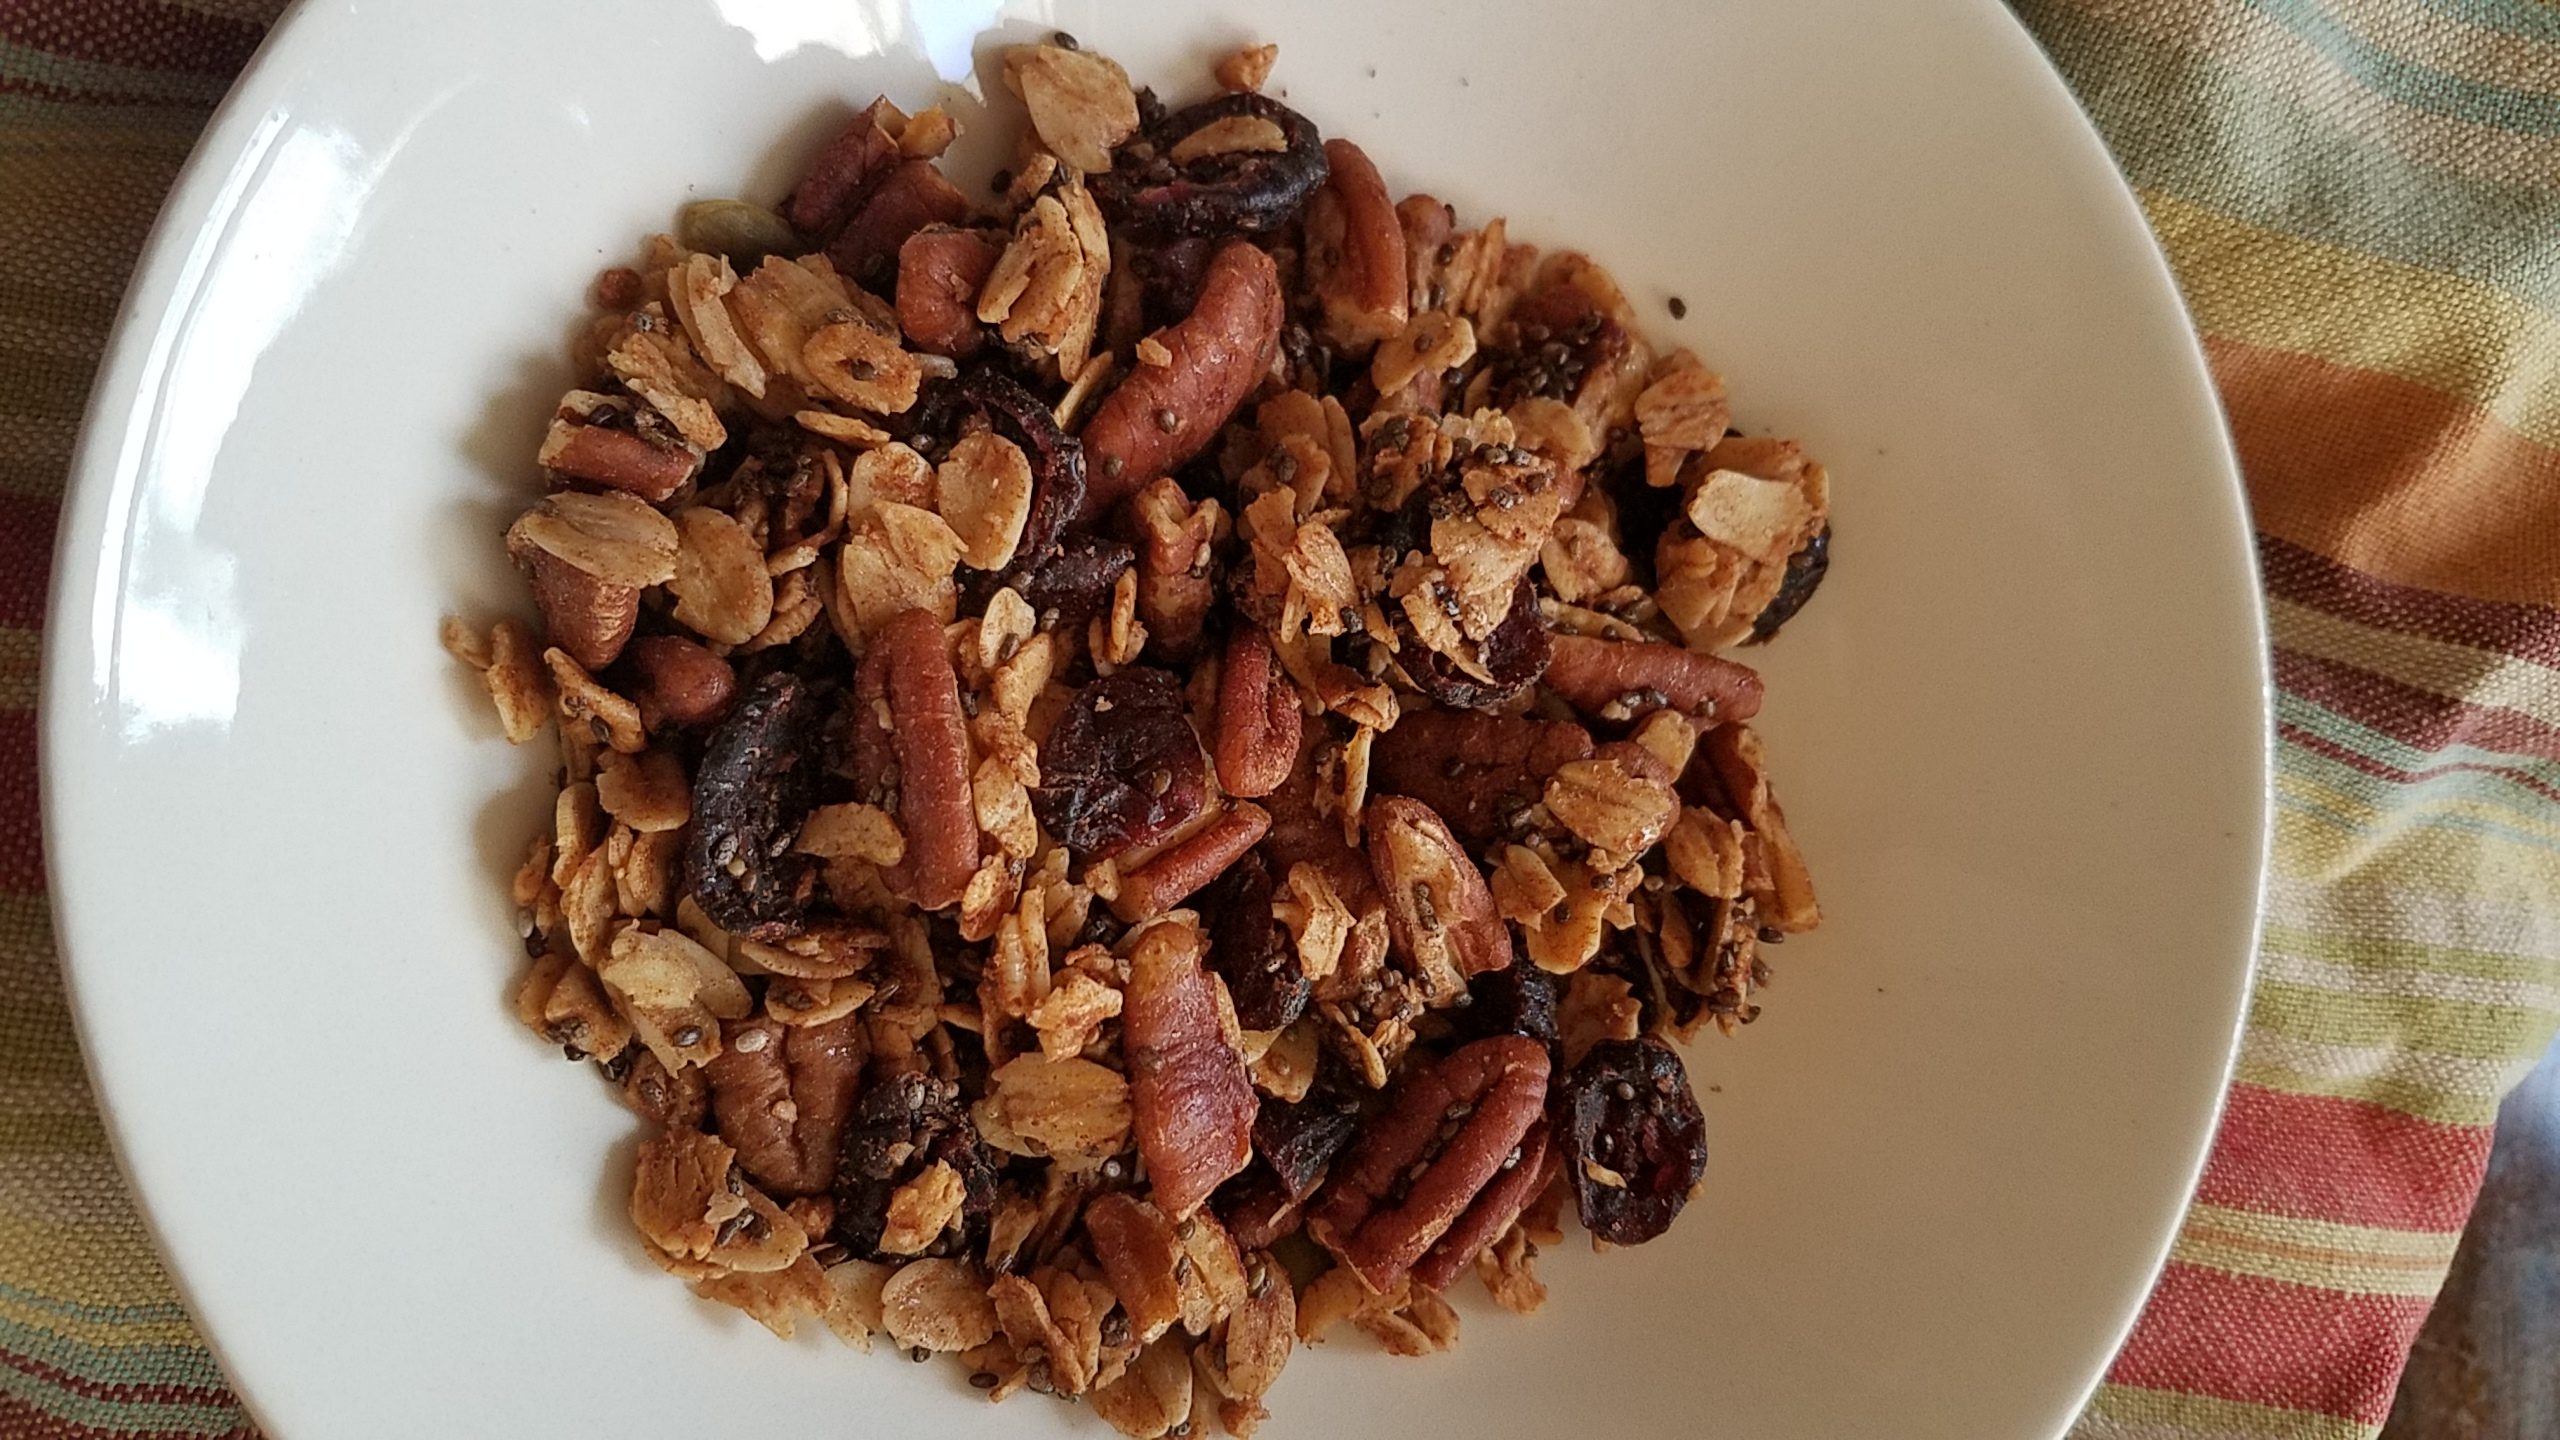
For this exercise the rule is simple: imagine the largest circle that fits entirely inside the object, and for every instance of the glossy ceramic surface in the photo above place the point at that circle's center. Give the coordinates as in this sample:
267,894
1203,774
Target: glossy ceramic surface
2021,732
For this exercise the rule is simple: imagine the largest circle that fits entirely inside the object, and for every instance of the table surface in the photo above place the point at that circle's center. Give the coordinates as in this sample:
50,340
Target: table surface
2487,1366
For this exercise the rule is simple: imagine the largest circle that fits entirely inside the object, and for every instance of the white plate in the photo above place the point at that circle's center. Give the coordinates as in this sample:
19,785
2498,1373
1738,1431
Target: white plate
2021,731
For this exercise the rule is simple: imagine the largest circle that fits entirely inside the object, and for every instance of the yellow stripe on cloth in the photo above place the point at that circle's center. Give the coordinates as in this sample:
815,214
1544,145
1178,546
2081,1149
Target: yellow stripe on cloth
2356,1258
2265,288
2479,677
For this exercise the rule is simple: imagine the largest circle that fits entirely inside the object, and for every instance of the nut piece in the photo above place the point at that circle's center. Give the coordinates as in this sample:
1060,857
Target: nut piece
1195,1101
1160,417
1620,680
1081,104
1259,721
1247,68
1176,582
940,272
1497,1088
676,682
1439,912
591,619
1187,868
936,805
938,1305
1355,251
1140,1251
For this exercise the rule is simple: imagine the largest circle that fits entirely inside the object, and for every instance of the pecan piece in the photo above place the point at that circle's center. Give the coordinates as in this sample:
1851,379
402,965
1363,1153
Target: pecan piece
589,618
906,200
782,1095
1139,1250
1355,251
1162,415
1194,1100
600,447
1178,873
1439,912
1524,1175
1476,771
844,172
913,695
1258,717
939,271
1623,680
677,682
1495,1090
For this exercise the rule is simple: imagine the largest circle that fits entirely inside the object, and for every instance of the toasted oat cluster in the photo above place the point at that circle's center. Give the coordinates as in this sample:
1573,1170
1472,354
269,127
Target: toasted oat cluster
1147,766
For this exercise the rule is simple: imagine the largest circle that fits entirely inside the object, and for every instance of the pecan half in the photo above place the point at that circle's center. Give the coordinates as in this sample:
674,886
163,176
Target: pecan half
1355,251
1494,1091
1492,1212
1623,680
939,271
1178,873
1439,912
1476,771
1162,415
1258,717
1194,1100
909,671
782,1095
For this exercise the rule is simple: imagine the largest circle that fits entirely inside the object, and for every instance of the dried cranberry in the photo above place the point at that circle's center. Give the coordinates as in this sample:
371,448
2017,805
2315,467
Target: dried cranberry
1240,192
1057,458
758,778
1122,766
1515,655
1252,951
1299,1141
1637,1142
903,1125
1077,577
1519,999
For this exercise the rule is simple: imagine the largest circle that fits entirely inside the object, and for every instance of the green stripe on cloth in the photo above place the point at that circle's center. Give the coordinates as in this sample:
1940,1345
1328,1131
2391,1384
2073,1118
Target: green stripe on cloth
64,75
2287,166
2534,18
2395,78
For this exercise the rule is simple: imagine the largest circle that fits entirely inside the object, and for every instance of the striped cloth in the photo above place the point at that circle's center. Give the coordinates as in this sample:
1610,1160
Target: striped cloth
2362,199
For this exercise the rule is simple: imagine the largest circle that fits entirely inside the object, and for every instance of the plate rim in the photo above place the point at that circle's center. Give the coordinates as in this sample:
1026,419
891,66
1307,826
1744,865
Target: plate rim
97,492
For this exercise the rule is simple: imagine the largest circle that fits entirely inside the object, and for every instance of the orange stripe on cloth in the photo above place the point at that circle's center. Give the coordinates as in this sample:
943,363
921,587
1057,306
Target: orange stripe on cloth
2392,478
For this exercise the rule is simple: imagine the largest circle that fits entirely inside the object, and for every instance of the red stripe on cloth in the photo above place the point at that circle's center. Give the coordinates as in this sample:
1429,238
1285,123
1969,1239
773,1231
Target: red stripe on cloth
2344,1161
2384,770
2419,719
26,557
21,829
112,1391
2267,1342
130,33
2527,632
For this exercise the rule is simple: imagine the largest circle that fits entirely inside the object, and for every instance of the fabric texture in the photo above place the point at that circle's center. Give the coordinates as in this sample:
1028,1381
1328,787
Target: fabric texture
2362,202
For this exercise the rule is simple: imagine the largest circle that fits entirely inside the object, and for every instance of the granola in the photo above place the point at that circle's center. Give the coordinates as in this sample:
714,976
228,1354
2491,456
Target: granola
1146,761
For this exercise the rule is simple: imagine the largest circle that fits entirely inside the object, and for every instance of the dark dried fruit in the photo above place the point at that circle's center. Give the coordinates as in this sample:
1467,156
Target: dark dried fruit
1476,771
1515,655
1240,192
1299,1142
758,778
1252,951
1121,767
1635,1140
1519,999
901,1127
1805,570
1077,580
1057,458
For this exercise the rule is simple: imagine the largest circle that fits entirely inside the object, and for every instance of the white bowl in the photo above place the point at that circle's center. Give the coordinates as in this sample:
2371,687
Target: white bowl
2021,731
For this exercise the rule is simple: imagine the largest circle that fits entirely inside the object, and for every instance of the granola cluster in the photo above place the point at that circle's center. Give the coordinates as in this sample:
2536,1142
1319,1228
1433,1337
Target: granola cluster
1147,767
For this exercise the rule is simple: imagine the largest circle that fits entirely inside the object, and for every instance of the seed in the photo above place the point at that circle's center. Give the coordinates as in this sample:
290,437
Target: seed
919,1354
1063,40
1623,1090
983,1380
1167,421
1772,935
752,1042
688,1037
1679,308
1112,465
